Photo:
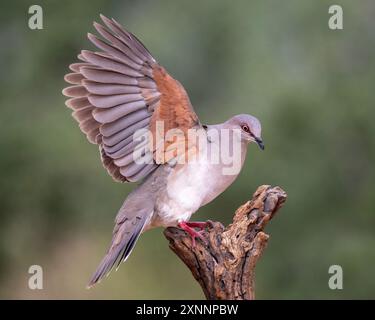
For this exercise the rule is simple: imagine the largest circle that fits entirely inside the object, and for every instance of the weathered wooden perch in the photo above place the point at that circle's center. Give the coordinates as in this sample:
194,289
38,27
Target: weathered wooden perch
224,266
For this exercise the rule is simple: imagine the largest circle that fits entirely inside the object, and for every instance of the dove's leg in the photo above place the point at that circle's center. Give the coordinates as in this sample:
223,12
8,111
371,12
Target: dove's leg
196,224
193,233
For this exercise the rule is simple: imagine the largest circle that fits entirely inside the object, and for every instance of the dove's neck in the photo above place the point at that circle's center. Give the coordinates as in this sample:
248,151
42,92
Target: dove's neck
232,149
221,173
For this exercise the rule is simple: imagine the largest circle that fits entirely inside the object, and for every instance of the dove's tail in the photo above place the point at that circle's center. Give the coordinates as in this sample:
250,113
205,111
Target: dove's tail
125,235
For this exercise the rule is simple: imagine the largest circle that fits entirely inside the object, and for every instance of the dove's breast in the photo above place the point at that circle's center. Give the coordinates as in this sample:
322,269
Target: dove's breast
183,195
189,187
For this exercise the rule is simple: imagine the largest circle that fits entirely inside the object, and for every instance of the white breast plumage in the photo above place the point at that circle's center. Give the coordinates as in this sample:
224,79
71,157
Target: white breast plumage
184,193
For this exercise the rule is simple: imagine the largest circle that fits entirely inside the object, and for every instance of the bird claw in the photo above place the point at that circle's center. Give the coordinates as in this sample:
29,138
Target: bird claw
189,228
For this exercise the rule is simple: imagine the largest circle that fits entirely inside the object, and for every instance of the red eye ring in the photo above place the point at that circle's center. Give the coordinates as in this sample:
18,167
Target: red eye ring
245,128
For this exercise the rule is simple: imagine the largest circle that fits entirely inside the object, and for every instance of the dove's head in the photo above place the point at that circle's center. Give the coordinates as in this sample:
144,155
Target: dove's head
249,127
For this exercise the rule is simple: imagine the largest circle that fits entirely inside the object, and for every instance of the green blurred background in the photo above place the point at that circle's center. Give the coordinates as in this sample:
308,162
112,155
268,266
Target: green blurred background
312,88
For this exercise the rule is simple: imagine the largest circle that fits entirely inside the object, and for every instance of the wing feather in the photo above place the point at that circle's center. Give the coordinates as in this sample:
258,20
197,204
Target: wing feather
120,90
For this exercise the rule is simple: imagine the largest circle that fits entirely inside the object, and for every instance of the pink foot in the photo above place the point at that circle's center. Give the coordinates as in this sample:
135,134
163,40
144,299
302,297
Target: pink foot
189,228
199,225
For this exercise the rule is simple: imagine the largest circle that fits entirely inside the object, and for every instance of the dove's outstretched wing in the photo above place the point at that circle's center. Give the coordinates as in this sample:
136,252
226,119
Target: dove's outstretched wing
122,89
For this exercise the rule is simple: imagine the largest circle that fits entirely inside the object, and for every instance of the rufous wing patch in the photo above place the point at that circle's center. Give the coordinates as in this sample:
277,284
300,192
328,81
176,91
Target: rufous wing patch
172,118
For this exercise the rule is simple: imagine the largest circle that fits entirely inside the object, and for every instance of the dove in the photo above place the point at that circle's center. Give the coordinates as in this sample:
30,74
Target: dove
121,90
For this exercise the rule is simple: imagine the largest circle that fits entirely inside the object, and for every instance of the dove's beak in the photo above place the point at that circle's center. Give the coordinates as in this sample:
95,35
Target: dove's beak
259,143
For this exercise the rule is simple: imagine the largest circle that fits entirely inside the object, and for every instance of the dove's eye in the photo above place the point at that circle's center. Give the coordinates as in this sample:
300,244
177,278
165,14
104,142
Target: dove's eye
245,128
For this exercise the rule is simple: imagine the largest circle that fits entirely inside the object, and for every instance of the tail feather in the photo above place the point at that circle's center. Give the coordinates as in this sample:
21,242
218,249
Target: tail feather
123,242
128,249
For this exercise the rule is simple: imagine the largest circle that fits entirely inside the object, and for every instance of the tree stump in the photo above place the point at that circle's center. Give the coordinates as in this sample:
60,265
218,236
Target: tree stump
224,264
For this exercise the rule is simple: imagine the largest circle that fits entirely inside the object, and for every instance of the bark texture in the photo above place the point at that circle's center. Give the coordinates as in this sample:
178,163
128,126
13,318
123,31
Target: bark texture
224,264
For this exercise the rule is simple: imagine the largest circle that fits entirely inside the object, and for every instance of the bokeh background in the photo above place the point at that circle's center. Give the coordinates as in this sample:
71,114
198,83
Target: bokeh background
312,88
